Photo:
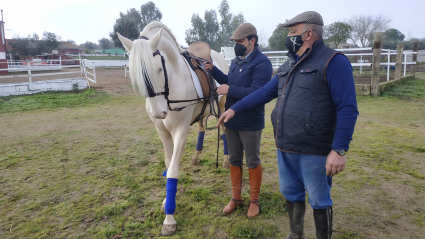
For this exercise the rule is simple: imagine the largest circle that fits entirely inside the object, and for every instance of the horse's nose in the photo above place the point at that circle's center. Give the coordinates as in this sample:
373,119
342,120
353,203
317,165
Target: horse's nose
164,114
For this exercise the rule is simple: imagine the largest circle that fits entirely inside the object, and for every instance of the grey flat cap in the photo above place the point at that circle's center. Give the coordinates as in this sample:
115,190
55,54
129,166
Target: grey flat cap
310,17
244,30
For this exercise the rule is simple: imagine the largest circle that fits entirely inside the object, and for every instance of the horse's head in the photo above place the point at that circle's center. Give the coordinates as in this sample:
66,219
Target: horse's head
147,73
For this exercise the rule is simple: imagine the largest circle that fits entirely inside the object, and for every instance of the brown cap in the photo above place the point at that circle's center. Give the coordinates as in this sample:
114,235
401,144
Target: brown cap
244,30
310,17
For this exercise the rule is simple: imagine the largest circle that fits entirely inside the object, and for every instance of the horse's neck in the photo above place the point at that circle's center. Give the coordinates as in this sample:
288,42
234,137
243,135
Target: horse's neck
179,73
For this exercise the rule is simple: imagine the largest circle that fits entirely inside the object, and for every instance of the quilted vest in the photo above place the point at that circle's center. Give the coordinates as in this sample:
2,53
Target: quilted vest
304,118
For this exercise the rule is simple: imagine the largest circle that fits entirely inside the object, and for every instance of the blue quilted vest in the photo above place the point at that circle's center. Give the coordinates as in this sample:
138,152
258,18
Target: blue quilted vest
304,118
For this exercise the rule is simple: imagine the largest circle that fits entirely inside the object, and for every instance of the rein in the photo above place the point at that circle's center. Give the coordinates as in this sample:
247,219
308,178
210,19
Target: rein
212,98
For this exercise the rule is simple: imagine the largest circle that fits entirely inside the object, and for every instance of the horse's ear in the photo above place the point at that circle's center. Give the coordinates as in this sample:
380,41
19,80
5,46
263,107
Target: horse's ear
126,42
155,40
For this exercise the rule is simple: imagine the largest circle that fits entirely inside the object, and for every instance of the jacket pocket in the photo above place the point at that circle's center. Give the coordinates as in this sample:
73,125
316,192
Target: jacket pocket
306,78
309,123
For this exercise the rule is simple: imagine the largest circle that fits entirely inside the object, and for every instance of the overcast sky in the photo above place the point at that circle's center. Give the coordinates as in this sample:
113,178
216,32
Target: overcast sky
91,20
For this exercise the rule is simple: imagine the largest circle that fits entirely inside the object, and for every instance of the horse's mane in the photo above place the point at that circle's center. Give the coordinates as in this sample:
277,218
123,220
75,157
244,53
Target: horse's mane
142,72
156,24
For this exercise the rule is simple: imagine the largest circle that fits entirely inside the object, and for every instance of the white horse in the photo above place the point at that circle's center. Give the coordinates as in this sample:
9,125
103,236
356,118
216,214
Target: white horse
148,72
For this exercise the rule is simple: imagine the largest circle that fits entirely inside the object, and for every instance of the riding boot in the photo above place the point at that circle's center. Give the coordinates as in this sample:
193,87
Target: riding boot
323,221
236,176
296,212
255,176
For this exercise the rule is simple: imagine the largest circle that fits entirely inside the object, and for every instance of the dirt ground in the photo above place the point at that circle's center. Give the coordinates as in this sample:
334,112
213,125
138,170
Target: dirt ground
106,78
100,147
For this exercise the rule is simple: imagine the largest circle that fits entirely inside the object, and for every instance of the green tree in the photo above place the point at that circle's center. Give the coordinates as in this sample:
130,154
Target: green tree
130,24
33,45
126,27
278,38
105,43
210,31
50,41
391,38
228,24
204,30
337,33
90,46
149,13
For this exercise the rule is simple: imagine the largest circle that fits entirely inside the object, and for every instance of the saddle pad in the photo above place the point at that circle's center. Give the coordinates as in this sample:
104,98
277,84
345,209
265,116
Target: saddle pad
196,82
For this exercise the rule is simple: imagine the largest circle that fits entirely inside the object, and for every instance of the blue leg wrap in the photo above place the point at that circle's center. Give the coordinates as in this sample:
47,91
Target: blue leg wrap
200,144
170,199
164,173
225,151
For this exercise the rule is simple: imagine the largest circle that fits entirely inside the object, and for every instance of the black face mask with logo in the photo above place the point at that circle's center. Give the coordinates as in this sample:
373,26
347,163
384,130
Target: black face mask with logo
240,50
294,43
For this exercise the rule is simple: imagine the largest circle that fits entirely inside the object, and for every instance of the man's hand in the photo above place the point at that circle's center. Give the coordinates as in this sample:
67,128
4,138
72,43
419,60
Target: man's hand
335,163
228,114
208,66
223,90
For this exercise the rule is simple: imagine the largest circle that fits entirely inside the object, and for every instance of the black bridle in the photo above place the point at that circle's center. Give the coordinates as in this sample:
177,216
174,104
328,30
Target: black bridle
166,92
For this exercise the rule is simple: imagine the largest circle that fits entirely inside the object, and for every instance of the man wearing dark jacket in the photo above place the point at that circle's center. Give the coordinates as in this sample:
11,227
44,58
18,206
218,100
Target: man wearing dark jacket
313,121
249,71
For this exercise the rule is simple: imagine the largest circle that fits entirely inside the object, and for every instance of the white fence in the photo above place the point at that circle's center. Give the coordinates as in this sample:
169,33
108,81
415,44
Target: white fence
277,58
87,68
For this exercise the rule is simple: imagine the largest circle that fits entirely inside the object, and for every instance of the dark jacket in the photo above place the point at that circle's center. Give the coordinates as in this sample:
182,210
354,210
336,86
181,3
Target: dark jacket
245,76
305,116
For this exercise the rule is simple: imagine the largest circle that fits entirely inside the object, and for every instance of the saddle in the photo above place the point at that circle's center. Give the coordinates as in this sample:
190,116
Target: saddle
196,52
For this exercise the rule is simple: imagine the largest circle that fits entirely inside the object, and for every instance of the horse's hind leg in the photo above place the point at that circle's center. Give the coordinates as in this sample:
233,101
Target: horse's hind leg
226,162
200,144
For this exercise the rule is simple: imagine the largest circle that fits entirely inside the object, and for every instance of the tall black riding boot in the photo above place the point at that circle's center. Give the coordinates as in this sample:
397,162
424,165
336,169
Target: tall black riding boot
296,212
323,221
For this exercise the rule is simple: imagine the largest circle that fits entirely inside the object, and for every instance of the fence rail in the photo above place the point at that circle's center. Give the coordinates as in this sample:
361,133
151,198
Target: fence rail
277,58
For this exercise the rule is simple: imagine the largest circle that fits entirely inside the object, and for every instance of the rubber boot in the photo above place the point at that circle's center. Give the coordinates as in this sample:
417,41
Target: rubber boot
236,176
296,212
323,221
255,176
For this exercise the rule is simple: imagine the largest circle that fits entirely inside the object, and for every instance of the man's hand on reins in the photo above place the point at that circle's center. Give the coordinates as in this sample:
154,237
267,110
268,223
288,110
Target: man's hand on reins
228,114
335,163
223,89
208,66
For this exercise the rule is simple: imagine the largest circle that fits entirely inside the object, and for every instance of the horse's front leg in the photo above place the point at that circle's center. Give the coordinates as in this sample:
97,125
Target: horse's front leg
200,143
179,138
167,142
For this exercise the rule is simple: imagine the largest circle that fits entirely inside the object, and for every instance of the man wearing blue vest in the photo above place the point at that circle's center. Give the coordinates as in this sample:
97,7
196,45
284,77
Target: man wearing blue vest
313,121
249,71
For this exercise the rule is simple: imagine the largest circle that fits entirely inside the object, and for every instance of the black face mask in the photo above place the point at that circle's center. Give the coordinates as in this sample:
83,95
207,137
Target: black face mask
240,49
293,43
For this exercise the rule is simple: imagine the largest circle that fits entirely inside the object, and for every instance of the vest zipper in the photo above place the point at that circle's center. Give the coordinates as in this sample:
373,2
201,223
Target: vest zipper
283,90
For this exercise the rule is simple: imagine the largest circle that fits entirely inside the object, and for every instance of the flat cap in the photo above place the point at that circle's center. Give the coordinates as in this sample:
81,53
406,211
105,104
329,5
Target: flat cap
310,17
244,30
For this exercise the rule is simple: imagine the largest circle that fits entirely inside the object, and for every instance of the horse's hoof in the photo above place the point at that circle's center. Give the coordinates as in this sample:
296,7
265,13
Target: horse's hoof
168,229
226,162
196,159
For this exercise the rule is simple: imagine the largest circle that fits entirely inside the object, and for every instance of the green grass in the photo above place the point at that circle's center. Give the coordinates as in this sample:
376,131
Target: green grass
50,100
410,89
92,168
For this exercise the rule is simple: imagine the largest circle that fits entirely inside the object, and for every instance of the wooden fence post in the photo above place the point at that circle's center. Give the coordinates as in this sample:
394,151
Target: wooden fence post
398,64
414,58
376,63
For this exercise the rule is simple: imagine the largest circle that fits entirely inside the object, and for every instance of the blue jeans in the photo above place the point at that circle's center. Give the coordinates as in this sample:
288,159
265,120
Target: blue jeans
301,172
